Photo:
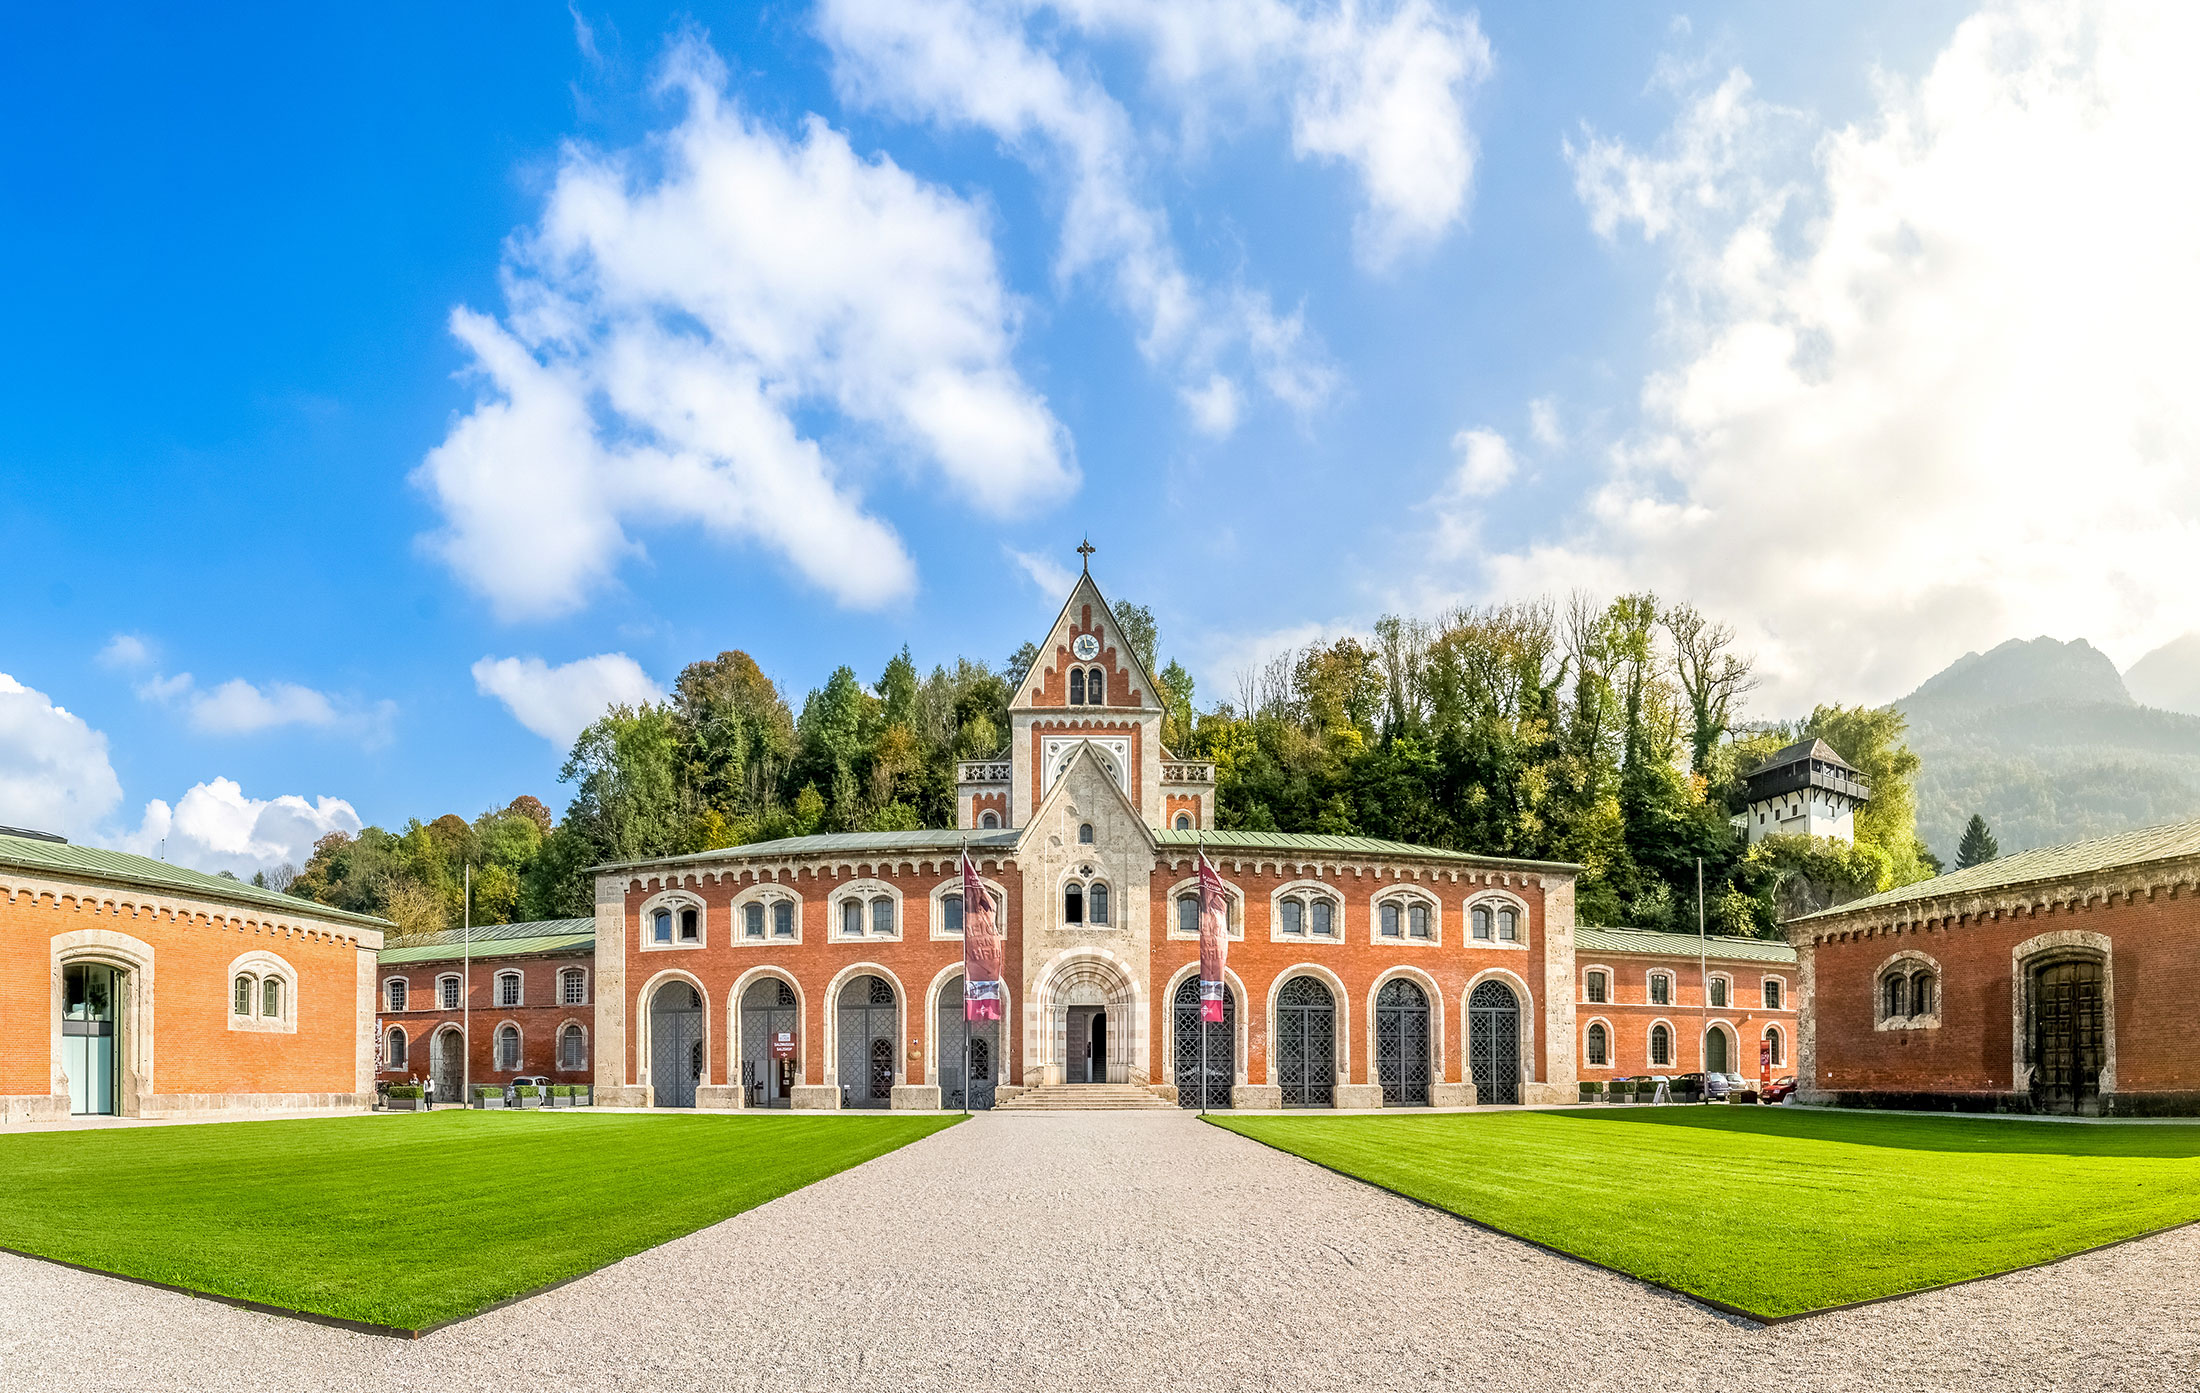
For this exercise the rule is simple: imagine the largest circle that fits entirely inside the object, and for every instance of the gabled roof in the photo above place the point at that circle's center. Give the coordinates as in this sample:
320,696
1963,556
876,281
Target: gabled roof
831,844
496,941
1801,751
1724,947
122,868
1085,751
2176,841
1322,844
1087,588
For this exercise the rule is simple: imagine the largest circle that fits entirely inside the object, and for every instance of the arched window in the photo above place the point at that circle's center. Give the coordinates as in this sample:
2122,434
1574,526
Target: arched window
1894,993
240,997
508,1047
1096,688
1096,903
1661,1045
1718,991
1084,833
851,918
1077,686
1598,989
1779,1046
1417,921
1921,993
271,998
397,993
1073,903
1772,993
573,986
446,990
951,914
395,1055
882,916
1390,917
660,926
572,1047
783,919
1661,989
1600,1054
691,925
1508,924
988,820
508,989
1482,921
1187,914
1325,918
752,920
1183,822
1293,922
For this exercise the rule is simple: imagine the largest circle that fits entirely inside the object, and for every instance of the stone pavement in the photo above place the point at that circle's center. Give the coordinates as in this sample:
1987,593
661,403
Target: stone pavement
1102,1251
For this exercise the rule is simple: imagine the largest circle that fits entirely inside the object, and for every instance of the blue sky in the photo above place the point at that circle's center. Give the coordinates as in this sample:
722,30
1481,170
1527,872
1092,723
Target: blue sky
361,374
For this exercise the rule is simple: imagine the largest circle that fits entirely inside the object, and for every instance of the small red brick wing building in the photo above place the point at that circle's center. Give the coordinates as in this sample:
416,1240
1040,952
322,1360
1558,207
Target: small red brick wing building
2057,980
1642,1007
524,994
133,987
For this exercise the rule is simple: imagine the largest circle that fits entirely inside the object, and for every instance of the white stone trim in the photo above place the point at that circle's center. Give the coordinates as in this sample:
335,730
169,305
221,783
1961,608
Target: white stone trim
1611,984
134,1015
397,977
1787,992
1719,975
1493,900
1435,996
1309,889
1412,892
1341,1003
1075,872
2040,944
391,1065
1782,1056
645,999
1519,985
863,890
673,898
741,984
953,886
1241,1018
260,965
557,1047
1233,905
1672,990
440,979
1733,1046
1913,1020
497,979
1611,1042
932,991
557,985
1649,1044
768,893
834,988
1047,1015
496,1047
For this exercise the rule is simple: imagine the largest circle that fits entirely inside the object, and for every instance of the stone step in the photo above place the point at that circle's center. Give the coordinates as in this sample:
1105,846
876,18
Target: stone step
1084,1097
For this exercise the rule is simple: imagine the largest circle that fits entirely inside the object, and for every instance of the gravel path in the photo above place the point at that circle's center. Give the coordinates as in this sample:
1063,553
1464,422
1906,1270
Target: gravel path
1100,1251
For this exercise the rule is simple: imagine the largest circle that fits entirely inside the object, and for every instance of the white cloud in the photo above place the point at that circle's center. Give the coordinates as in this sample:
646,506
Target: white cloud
1931,387
1543,423
238,707
558,703
1486,463
1052,580
1383,90
54,771
215,827
126,651
673,313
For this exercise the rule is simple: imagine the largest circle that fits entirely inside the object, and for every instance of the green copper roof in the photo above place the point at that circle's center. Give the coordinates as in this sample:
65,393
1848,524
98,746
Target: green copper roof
497,941
68,861
834,844
1721,946
1319,844
2173,842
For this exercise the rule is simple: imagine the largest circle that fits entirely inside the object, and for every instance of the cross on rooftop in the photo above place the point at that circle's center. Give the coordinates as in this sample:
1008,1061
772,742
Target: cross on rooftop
1086,549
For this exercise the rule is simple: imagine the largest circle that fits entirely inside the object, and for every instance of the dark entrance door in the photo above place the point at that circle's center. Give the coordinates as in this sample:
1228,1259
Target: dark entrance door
675,1045
2068,1036
770,1021
1096,1052
449,1066
1203,1081
1493,1043
1714,1052
971,1045
90,993
1306,1044
1401,1044
868,1030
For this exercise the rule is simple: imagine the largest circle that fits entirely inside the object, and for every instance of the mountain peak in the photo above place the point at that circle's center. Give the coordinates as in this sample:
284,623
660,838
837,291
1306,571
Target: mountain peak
2025,670
2169,677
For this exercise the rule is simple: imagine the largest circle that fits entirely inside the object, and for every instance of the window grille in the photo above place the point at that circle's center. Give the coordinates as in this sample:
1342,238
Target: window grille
397,995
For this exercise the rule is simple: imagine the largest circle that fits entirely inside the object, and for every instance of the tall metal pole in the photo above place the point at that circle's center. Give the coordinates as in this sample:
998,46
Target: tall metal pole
466,993
1703,987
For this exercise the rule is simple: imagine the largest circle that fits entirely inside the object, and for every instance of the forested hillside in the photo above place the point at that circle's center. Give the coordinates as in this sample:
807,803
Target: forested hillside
1611,735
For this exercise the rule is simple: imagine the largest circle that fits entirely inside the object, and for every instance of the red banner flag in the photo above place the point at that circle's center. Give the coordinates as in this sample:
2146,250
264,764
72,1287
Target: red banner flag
982,951
1214,940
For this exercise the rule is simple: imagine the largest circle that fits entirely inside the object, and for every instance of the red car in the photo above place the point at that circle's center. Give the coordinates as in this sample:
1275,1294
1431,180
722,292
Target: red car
1778,1090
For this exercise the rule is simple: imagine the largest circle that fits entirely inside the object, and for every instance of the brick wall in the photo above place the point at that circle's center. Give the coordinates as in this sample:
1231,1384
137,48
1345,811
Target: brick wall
543,1014
1631,1015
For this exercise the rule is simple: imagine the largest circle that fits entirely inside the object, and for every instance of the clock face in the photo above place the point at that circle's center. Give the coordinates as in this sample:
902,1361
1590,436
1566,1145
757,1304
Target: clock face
1087,647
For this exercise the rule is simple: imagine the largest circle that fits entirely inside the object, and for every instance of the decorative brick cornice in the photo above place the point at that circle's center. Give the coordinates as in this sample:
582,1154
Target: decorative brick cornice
1936,913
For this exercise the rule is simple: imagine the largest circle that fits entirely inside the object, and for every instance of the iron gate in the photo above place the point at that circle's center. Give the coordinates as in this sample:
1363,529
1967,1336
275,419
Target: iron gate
868,1031
1306,1044
959,1045
675,1045
2069,1044
1401,1044
1213,1089
1493,1043
768,1007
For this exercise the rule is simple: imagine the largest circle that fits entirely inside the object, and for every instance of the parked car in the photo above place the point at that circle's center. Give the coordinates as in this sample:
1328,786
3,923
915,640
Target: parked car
1709,1087
1780,1090
541,1081
1736,1086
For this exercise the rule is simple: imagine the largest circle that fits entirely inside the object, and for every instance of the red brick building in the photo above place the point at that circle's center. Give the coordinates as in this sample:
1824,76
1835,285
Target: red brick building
133,987
525,998
1643,1008
2054,980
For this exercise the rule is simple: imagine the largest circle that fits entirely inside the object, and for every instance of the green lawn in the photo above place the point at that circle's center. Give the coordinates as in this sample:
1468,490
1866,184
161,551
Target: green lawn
1773,1211
409,1221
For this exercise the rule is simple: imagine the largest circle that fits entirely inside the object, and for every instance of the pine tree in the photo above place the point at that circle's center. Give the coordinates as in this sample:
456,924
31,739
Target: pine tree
1978,846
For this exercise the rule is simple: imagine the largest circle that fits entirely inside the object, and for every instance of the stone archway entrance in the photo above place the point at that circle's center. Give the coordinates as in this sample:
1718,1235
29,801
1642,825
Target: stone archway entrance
447,1066
1206,1051
1090,1010
2069,1037
1716,1058
1402,1043
965,1045
1493,1042
771,1043
675,1045
869,1025
91,1053
1306,1044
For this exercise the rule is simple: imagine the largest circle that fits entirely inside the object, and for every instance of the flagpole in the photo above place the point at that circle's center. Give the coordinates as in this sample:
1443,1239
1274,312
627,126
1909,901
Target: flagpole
466,991
966,987
1205,1084
1703,988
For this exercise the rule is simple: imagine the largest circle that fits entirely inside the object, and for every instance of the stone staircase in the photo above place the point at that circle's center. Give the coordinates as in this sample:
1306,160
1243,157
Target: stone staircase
1085,1097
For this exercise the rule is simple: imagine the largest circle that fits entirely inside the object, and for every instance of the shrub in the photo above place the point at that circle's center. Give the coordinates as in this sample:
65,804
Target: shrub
1590,1088
488,1090
526,1090
561,1090
404,1090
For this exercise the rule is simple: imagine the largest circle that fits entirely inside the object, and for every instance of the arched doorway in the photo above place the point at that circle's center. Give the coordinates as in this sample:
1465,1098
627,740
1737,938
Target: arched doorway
1090,1009
675,1044
91,1001
1306,1044
1401,1044
1493,1043
1716,1056
771,1041
868,1031
2069,1034
447,1066
1206,1051
975,1045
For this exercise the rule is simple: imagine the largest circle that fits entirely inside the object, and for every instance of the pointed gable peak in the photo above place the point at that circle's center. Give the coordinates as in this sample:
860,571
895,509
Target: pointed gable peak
1087,637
